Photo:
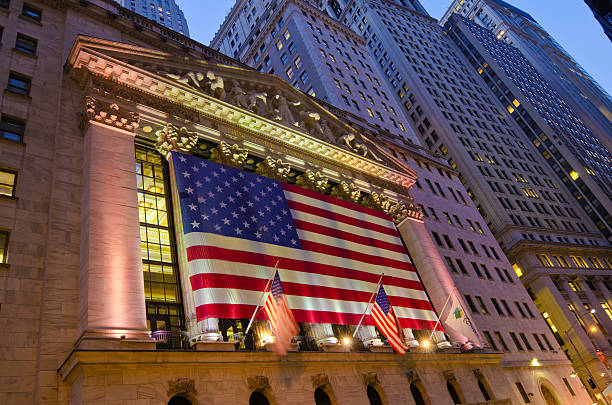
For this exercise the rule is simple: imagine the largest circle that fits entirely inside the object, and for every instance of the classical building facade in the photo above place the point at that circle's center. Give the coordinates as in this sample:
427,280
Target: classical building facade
94,307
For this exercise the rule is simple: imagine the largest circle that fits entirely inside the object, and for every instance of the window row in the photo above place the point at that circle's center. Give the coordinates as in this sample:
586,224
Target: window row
501,307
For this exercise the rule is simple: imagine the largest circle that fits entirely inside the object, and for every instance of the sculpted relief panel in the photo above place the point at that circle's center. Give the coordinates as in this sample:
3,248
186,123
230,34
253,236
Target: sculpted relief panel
274,104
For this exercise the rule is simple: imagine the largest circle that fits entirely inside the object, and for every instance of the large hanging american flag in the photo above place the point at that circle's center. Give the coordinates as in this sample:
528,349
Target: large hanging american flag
236,224
385,320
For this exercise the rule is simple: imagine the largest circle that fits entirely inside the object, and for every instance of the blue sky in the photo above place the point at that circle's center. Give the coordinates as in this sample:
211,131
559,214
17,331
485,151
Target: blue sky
570,22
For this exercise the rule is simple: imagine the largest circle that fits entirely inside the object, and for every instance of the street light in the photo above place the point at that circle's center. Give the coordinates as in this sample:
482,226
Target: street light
593,329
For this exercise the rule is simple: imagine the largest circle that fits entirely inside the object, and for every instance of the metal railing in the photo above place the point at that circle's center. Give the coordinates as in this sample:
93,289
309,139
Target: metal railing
172,340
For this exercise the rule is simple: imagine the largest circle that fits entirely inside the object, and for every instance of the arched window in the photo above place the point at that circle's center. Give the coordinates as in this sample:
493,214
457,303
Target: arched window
548,396
179,401
257,398
321,397
373,396
484,391
453,393
416,395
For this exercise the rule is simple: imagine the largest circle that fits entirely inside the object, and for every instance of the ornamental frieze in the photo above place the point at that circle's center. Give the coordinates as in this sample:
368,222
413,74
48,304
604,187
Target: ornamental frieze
273,169
346,191
229,155
313,181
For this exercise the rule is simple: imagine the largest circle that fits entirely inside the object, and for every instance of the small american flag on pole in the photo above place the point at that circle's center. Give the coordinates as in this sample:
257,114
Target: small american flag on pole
386,322
281,318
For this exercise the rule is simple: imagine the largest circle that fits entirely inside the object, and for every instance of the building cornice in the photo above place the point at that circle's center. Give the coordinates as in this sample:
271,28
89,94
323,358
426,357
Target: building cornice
556,247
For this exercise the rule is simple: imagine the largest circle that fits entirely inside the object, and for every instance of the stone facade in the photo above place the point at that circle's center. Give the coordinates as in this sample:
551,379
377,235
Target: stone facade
73,313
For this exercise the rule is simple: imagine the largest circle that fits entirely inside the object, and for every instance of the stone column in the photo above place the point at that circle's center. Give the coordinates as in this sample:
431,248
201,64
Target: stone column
323,333
409,337
433,272
367,334
595,303
111,300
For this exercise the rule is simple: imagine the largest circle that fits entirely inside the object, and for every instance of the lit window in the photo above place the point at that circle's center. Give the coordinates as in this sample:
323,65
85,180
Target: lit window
297,62
31,12
510,109
606,309
7,182
25,44
517,270
286,34
279,45
516,103
290,72
574,175
4,239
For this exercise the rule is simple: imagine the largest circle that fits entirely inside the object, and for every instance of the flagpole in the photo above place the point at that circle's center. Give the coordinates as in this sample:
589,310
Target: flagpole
442,311
261,299
369,302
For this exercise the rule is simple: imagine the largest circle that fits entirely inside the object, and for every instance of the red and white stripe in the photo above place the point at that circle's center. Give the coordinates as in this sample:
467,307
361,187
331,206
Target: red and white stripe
283,323
345,247
387,324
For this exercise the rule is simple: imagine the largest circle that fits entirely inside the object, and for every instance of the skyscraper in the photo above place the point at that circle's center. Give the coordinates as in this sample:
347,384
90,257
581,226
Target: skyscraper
452,114
519,29
165,12
602,10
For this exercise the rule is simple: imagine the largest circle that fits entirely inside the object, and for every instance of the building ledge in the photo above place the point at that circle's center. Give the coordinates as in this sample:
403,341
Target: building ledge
78,359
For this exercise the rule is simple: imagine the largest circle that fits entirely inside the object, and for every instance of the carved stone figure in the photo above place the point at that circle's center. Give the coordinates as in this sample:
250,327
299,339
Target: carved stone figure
313,181
229,155
370,379
346,191
349,140
237,95
281,108
258,103
310,121
412,376
327,132
173,138
379,202
274,169
215,85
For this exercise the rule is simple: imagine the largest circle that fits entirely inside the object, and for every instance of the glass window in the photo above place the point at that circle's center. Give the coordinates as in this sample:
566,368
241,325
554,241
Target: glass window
159,263
11,129
7,182
19,84
4,240
31,12
501,341
4,3
483,308
26,44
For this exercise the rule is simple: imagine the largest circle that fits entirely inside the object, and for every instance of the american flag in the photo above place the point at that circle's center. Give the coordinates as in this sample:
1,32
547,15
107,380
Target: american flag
280,316
236,224
386,322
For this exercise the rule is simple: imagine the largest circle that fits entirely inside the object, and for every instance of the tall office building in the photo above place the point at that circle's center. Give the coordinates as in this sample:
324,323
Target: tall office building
602,10
467,250
97,300
519,29
456,114
578,158
164,12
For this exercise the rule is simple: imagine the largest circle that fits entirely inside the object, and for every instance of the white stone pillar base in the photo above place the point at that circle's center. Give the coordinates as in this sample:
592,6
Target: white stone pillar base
409,338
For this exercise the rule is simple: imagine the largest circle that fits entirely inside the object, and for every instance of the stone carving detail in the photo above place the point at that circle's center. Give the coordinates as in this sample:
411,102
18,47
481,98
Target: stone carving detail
346,191
370,379
281,108
259,382
398,210
449,376
110,114
319,380
182,386
478,373
209,83
412,376
173,138
313,181
349,140
237,95
229,155
273,169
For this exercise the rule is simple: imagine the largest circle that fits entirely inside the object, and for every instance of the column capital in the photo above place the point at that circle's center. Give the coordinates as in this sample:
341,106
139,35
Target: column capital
108,114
